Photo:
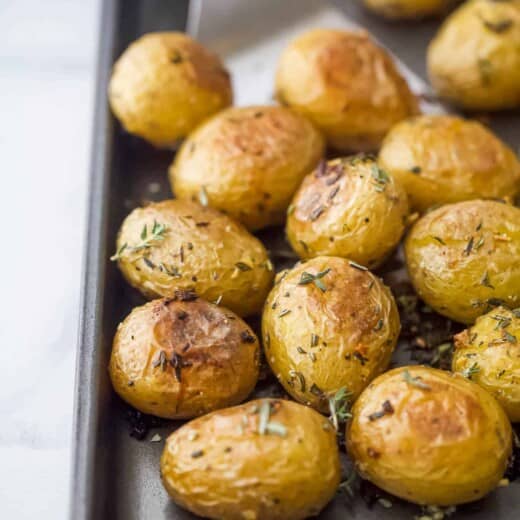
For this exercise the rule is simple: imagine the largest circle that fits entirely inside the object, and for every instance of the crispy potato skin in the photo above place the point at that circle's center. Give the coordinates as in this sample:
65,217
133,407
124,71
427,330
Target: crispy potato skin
202,250
318,342
443,446
237,473
250,161
165,84
442,159
493,346
347,85
463,257
179,359
342,210
408,9
474,60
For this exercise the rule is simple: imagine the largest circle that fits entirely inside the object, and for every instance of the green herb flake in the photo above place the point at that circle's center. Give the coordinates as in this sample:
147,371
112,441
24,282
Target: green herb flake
415,381
472,370
355,265
339,407
284,313
509,337
148,240
380,176
307,278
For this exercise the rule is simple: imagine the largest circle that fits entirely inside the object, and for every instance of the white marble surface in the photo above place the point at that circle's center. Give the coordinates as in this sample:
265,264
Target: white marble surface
47,55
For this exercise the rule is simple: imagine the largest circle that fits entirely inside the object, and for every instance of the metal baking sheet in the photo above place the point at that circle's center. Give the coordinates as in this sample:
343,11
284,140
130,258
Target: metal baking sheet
115,476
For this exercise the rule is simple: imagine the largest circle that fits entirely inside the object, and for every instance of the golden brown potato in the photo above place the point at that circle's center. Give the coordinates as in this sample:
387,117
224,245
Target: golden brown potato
489,354
180,245
350,208
165,84
474,60
441,159
328,324
248,162
346,84
429,437
183,357
463,258
266,459
408,9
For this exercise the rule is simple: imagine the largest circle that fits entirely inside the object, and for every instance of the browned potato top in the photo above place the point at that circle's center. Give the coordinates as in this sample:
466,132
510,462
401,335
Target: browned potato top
443,158
248,162
182,357
346,84
267,459
463,258
164,84
348,207
429,436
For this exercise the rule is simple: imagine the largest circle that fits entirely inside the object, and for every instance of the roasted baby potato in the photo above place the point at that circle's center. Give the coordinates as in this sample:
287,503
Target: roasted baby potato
269,458
489,354
165,84
328,324
408,9
474,61
429,436
346,84
248,162
441,159
178,245
183,357
463,258
350,208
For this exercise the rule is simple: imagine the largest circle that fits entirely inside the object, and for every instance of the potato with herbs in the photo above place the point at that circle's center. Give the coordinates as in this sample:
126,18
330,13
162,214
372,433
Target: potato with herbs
474,61
178,245
348,86
489,354
441,159
463,258
429,437
328,325
269,458
348,207
408,9
247,162
165,84
183,357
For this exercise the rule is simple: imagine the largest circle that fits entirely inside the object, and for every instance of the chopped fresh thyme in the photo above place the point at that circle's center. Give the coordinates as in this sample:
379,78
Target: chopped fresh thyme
415,381
284,313
380,176
339,407
307,278
509,337
243,266
265,425
471,371
440,240
357,266
148,239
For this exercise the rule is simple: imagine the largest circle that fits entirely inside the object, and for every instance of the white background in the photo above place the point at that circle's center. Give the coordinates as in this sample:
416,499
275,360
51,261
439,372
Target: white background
47,55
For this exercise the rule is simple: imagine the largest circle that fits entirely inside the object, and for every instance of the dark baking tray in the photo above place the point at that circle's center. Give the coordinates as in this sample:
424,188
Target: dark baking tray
115,476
